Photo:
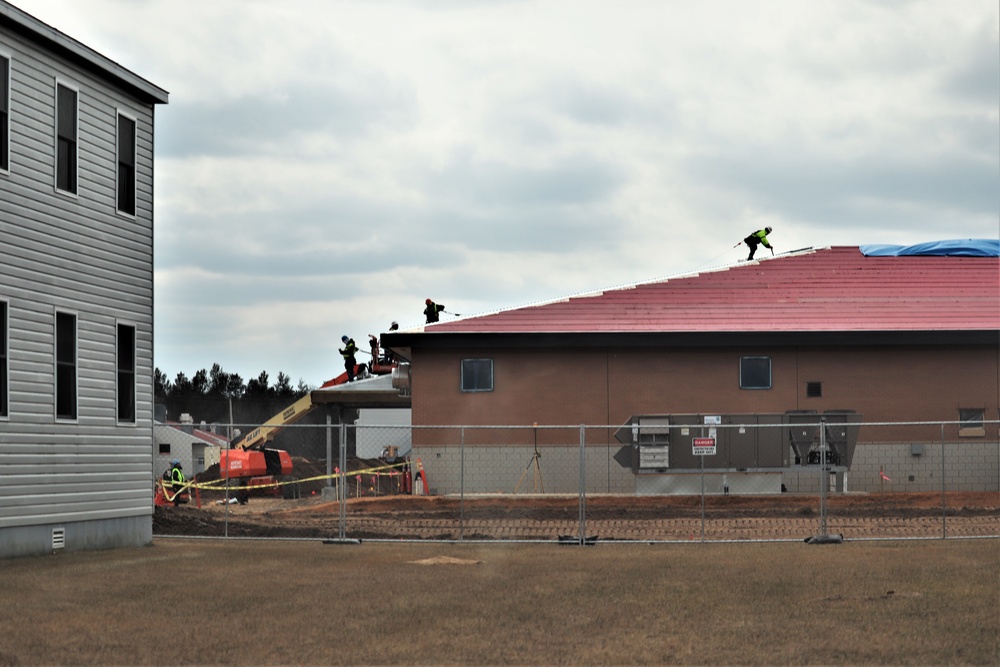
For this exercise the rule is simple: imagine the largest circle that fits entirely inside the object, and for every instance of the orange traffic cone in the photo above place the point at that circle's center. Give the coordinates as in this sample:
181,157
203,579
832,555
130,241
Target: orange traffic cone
420,485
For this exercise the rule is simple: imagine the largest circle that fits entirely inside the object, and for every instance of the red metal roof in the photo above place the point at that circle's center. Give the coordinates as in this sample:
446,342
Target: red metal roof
829,289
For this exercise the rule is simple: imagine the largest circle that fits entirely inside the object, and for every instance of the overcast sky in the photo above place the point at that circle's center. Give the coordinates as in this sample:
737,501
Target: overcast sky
324,166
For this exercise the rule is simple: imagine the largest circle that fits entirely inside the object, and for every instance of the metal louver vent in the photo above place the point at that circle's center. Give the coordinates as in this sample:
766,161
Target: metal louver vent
58,538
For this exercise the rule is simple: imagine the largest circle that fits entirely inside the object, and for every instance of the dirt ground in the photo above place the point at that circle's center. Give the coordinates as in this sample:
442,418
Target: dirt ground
391,515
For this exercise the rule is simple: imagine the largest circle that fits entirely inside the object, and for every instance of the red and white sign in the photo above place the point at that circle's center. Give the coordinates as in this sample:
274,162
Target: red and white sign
703,446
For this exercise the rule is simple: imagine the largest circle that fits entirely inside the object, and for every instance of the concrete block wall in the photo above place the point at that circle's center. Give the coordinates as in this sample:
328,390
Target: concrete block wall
967,467
502,469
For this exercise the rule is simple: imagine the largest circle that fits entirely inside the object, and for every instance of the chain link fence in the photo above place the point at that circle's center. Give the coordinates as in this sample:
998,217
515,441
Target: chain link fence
811,480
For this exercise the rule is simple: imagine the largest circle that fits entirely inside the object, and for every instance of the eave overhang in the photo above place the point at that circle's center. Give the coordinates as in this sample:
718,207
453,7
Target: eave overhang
73,51
403,343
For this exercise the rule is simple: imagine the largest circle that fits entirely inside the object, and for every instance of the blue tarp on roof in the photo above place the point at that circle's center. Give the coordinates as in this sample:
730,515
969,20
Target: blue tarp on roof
953,248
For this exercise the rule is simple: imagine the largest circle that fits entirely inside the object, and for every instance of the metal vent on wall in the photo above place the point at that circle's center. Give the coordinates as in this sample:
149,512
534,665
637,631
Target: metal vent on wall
401,379
58,538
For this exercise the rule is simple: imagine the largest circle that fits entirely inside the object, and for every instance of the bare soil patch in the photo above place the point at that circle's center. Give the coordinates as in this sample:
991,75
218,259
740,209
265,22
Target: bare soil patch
377,510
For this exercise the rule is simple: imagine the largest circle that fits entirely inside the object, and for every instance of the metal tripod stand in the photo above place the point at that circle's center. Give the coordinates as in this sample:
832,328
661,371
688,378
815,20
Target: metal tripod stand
534,462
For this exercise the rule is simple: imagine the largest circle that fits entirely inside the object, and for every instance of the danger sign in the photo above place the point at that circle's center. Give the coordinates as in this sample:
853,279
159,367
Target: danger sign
703,446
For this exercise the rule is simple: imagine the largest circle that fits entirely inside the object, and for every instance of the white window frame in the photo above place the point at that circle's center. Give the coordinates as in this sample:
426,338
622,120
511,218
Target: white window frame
76,366
135,163
60,83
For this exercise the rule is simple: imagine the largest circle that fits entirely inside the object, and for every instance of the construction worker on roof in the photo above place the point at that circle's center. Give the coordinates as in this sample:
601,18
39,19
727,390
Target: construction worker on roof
348,352
389,356
758,238
432,310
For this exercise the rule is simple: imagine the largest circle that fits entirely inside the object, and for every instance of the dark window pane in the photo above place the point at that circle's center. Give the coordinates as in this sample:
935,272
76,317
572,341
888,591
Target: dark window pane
65,366
4,143
126,373
126,189
66,148
126,165
4,114
477,375
66,166
755,373
971,417
4,75
67,113
3,359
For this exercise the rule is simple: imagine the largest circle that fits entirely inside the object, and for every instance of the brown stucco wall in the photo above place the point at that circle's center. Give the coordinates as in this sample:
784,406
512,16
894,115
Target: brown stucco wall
607,386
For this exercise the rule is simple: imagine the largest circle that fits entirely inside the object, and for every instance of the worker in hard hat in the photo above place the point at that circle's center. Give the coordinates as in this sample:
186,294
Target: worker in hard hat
432,310
758,238
387,355
176,480
348,352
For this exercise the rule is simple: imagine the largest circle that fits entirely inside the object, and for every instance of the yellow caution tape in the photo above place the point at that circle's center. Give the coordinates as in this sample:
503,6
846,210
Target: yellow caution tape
220,484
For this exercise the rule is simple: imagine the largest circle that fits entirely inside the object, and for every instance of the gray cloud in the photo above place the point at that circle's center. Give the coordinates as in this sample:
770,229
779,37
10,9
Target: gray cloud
977,75
279,123
324,168
875,189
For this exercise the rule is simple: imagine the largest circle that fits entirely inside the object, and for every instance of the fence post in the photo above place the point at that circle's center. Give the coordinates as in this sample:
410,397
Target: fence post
329,451
461,486
824,479
944,492
701,468
342,481
583,485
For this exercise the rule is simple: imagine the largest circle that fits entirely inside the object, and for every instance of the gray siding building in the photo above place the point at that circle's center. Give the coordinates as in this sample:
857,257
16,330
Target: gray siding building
76,294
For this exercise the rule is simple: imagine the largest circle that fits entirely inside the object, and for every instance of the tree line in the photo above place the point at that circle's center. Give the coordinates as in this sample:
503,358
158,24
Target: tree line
215,396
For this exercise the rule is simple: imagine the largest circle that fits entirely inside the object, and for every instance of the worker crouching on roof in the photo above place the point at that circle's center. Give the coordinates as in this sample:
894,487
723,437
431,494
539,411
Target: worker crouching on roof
348,352
758,238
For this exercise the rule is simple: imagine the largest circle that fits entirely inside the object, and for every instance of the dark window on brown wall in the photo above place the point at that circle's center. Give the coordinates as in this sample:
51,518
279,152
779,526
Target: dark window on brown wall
755,372
814,389
477,375
970,422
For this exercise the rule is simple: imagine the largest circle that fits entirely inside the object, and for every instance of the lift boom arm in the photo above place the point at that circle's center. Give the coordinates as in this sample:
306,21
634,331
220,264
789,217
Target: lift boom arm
256,438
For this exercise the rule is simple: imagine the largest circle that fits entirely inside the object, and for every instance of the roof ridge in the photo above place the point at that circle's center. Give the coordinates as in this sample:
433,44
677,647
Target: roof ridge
691,273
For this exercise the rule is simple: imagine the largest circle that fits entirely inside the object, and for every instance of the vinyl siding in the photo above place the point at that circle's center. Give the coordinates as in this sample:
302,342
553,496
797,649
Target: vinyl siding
73,253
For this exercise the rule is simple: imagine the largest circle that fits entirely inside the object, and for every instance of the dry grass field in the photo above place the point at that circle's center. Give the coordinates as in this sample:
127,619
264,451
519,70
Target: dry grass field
240,602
